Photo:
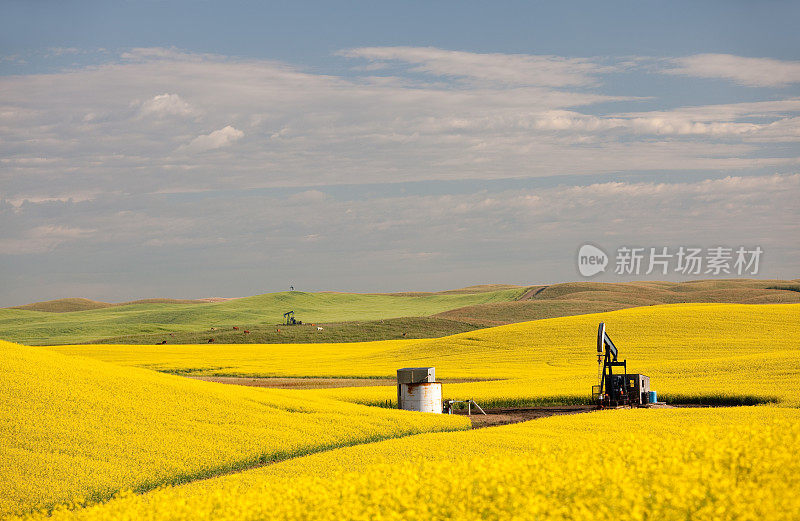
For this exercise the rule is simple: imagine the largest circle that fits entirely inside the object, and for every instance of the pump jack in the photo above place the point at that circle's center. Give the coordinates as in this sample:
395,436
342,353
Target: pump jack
617,390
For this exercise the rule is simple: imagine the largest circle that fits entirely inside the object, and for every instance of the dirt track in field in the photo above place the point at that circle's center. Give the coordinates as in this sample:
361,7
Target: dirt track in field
506,416
493,416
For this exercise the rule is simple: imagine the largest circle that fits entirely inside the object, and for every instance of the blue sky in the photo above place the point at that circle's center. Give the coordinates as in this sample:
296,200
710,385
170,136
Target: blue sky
194,149
307,32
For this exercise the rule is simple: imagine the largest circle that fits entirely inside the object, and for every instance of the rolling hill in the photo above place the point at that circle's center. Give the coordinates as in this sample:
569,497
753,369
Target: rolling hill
71,425
265,311
351,317
576,298
693,351
73,428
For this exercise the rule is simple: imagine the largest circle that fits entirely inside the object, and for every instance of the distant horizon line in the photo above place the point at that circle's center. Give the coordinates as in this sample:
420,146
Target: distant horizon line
497,285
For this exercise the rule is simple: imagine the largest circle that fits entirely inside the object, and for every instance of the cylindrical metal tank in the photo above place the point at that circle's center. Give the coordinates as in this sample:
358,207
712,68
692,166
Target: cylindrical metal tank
423,397
653,397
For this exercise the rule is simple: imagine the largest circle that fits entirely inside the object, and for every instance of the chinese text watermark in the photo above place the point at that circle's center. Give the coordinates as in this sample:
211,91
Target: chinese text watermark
719,260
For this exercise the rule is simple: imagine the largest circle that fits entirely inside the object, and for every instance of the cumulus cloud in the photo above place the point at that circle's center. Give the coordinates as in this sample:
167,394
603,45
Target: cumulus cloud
664,124
166,105
313,129
217,139
752,72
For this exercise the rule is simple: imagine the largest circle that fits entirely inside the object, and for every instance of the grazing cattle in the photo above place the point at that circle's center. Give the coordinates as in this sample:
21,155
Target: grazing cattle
247,331
213,329
319,328
210,340
404,334
161,343
236,328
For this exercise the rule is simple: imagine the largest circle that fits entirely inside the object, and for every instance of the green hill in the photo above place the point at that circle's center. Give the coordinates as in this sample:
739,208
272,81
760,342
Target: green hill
352,317
65,305
261,311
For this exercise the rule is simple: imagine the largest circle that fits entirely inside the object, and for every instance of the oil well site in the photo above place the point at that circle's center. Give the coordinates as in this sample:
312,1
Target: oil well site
383,261
485,377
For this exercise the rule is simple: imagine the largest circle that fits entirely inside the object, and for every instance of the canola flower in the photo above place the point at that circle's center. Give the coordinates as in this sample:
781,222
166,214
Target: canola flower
706,351
76,429
733,464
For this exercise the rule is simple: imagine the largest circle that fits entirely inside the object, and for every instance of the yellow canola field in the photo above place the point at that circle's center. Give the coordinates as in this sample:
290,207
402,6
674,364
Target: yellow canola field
73,428
728,351
700,464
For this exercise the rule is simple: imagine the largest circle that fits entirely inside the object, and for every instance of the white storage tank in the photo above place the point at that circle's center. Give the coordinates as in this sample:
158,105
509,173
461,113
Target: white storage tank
418,390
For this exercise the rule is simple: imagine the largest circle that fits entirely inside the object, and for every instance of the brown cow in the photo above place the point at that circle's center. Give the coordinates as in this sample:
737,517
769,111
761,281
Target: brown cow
247,331
236,328
210,340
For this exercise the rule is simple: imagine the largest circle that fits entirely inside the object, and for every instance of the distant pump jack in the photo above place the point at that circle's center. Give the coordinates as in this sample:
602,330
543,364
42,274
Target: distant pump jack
289,320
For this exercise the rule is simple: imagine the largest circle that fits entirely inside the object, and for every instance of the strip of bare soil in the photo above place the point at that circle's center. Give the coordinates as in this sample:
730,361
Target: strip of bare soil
505,416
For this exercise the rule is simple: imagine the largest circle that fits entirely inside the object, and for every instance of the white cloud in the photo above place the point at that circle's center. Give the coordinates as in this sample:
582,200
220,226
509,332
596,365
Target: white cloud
727,111
308,129
217,139
752,72
143,54
666,124
42,239
76,197
83,168
60,51
517,69
166,105
308,196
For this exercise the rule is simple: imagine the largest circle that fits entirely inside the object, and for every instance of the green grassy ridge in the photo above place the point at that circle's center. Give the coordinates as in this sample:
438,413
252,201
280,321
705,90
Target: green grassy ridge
354,331
66,305
40,328
351,317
